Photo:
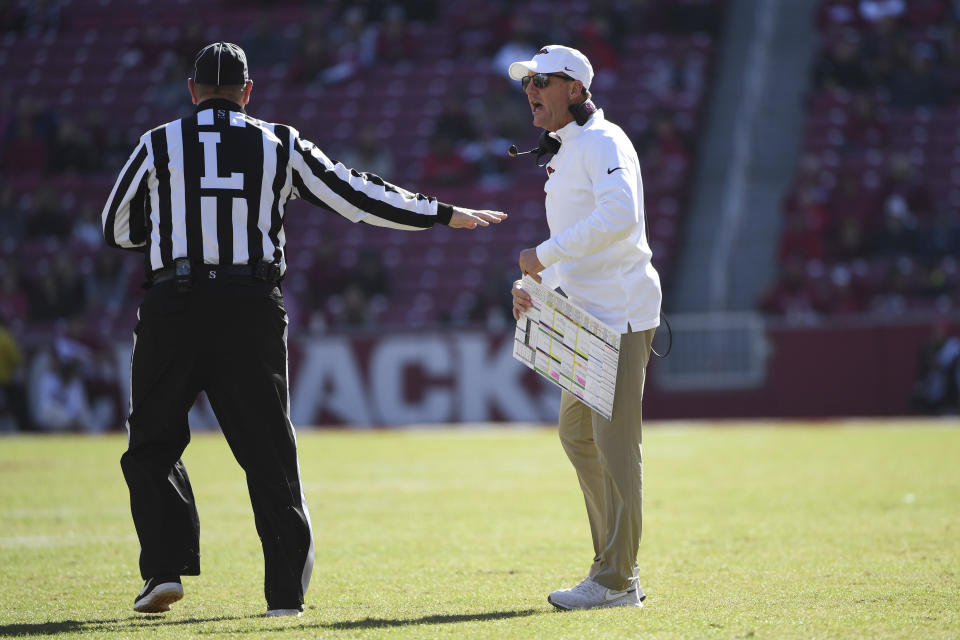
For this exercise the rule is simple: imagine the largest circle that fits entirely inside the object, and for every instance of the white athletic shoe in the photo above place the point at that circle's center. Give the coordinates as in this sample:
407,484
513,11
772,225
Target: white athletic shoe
277,613
158,594
591,595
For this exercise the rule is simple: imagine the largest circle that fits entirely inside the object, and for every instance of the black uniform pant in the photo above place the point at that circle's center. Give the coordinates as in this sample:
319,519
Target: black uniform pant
226,337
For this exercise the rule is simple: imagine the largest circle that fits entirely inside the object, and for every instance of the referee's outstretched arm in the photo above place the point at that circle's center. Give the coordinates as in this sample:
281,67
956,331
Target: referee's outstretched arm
365,197
146,206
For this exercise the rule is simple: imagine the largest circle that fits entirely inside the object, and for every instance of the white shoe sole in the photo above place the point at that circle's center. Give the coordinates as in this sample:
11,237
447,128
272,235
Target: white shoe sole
160,599
279,613
606,605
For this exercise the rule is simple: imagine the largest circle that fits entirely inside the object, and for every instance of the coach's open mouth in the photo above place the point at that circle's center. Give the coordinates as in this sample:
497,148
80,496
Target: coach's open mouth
536,106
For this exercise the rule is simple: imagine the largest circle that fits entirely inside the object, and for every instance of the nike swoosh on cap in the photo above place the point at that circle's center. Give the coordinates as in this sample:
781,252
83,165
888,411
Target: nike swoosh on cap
609,171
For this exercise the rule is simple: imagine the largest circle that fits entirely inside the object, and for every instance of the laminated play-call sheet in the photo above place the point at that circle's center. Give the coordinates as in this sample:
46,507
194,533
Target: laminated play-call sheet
569,347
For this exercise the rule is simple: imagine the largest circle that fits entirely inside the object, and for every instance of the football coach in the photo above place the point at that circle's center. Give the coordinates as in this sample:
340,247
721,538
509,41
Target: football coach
599,256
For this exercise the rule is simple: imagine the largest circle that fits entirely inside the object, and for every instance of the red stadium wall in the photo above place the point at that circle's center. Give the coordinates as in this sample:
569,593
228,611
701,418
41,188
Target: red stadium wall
439,377
814,372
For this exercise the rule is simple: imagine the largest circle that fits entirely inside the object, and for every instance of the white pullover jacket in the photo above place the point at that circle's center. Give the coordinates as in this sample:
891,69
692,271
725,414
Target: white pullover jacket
598,251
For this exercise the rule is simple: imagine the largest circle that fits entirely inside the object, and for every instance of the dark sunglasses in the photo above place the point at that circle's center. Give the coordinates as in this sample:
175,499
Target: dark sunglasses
541,80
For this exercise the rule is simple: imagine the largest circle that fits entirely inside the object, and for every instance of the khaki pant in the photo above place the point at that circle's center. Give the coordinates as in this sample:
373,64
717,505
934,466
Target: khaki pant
607,457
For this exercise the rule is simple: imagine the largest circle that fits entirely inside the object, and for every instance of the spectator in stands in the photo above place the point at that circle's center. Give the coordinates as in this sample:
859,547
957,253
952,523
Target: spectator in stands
50,301
11,215
840,296
72,296
14,301
353,48
13,18
87,230
370,275
918,84
937,387
72,150
41,117
880,10
117,144
11,385
477,31
502,110
840,66
147,50
325,275
846,241
394,40
168,95
666,142
8,111
692,16
680,72
353,311
836,15
420,10
492,305
904,183
520,44
941,237
925,13
370,11
486,156
265,42
58,399
454,122
46,218
42,18
369,153
26,152
851,200
599,41
105,287
790,295
445,164
865,128
802,238
897,235
312,58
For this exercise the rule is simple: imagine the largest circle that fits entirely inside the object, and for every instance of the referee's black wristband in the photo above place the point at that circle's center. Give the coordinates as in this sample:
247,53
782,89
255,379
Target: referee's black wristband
444,213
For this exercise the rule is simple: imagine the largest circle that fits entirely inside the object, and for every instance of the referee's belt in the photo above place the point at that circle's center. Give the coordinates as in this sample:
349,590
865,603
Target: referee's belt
266,271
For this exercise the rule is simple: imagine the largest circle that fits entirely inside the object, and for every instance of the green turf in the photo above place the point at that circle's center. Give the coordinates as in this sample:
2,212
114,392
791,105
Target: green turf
750,532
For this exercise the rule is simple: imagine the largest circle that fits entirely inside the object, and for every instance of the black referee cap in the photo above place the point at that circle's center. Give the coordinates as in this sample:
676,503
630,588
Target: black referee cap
221,63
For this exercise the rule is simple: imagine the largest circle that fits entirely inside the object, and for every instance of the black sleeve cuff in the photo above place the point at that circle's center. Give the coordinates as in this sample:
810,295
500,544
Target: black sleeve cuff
444,213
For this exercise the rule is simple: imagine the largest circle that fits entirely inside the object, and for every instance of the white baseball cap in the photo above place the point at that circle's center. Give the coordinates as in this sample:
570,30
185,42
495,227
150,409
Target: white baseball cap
556,58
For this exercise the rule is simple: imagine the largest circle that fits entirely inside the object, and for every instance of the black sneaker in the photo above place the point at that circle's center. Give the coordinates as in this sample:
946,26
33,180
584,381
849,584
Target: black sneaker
158,594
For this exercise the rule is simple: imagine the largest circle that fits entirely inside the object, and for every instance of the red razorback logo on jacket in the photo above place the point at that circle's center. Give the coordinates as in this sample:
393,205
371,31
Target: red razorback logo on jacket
544,50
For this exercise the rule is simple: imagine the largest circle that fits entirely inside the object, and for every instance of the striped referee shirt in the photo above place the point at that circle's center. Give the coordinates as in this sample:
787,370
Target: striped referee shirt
212,187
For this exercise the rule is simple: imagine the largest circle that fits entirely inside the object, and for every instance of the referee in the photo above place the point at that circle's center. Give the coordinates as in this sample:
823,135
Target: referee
203,198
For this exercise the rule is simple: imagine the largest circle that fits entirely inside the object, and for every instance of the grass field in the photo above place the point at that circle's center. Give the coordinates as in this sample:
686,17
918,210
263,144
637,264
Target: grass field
751,531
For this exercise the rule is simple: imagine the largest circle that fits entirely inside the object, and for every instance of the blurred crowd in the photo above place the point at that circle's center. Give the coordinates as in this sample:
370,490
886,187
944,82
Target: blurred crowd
42,144
58,159
872,220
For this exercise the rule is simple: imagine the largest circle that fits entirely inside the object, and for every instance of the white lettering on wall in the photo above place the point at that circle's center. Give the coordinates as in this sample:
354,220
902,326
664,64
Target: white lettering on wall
387,364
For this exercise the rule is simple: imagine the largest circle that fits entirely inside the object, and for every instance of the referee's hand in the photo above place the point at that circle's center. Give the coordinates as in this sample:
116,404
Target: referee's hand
471,218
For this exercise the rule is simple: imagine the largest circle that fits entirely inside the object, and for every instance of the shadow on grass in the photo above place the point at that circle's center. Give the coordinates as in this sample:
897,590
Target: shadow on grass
133,622
380,623
107,625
